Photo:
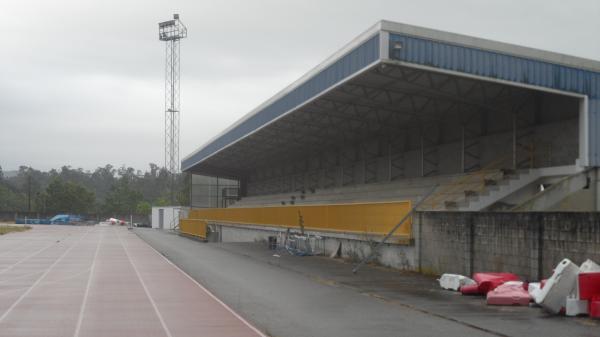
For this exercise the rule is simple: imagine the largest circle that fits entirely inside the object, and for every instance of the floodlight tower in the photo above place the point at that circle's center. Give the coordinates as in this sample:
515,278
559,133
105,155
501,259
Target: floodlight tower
172,32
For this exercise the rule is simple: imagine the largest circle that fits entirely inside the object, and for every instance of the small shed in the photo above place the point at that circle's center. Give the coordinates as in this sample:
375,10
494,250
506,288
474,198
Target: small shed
165,217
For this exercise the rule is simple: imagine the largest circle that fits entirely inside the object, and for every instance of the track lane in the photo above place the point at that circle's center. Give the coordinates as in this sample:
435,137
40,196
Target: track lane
178,297
50,292
105,281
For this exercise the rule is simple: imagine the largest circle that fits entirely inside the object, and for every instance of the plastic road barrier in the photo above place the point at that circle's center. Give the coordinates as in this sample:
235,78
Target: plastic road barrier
554,294
589,285
509,293
534,289
589,266
576,306
489,281
454,281
470,289
595,307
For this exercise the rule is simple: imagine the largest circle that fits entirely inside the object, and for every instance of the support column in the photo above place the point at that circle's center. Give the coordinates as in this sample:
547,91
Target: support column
418,234
469,253
422,155
584,154
389,161
462,150
514,142
536,241
191,189
596,188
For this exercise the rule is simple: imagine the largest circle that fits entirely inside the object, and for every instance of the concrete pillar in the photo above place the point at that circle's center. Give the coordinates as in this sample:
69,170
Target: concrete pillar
596,188
417,228
514,141
243,186
389,163
422,156
584,138
462,150
469,245
535,243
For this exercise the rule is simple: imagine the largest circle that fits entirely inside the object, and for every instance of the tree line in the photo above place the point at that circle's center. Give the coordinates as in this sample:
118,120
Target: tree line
106,190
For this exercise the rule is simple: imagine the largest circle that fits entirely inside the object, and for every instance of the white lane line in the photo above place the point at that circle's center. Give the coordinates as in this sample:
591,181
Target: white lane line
54,241
87,288
258,332
18,277
18,246
46,272
26,258
160,318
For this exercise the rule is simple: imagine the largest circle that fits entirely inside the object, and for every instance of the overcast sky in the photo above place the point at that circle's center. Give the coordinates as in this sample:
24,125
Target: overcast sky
81,82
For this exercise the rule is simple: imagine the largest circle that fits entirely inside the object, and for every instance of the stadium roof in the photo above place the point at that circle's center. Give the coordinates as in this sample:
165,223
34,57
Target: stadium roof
385,81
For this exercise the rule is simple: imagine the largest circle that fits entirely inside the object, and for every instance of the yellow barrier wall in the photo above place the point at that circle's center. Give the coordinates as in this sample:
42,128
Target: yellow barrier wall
193,227
371,218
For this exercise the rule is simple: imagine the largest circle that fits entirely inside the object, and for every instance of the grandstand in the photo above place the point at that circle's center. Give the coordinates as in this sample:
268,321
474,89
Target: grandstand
401,109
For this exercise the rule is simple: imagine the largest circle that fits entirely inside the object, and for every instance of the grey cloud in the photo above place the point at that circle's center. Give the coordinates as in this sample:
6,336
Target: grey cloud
81,82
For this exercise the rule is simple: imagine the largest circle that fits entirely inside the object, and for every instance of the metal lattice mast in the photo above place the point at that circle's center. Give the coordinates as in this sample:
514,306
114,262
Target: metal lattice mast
172,32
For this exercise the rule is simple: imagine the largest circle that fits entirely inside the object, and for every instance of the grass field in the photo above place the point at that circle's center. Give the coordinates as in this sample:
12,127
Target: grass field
5,229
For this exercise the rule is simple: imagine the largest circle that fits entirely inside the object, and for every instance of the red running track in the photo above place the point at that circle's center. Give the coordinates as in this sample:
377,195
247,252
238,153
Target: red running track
102,281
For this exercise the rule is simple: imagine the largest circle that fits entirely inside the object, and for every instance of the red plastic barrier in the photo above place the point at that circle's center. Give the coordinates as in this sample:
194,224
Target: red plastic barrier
589,285
489,281
594,308
509,294
470,289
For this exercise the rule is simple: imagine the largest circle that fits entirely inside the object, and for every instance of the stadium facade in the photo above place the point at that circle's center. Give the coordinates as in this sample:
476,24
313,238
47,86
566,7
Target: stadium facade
493,126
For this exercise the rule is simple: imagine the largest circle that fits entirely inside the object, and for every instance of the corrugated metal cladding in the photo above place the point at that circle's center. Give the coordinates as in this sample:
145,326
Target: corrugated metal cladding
506,67
357,59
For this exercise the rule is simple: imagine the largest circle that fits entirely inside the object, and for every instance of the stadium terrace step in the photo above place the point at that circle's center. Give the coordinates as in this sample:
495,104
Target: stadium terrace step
472,186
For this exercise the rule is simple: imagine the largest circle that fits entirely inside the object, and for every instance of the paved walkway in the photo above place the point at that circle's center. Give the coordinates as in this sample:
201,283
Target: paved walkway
102,281
290,296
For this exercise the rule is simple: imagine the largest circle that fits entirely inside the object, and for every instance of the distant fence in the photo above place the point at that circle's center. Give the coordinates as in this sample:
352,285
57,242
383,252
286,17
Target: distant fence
9,216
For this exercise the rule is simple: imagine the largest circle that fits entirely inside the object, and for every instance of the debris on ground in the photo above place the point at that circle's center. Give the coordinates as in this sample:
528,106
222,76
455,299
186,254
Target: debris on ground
509,293
553,296
486,282
572,290
589,266
454,281
535,288
297,244
575,306
594,308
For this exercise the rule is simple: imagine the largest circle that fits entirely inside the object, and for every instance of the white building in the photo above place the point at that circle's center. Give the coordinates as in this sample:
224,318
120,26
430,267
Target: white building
165,217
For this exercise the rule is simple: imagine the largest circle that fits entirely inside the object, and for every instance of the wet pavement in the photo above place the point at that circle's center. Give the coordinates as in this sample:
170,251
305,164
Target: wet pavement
102,281
317,296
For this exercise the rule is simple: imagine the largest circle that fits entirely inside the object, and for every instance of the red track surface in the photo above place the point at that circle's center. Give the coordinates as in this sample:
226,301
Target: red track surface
102,281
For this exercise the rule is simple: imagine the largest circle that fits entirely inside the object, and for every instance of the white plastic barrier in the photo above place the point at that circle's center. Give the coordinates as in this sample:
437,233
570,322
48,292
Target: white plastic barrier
534,290
575,306
589,266
563,282
454,281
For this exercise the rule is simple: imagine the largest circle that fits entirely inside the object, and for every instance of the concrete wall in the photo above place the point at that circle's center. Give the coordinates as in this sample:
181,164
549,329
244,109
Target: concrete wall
528,244
354,247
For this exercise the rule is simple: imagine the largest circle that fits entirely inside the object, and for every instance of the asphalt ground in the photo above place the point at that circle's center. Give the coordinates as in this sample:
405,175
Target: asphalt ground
291,296
102,281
